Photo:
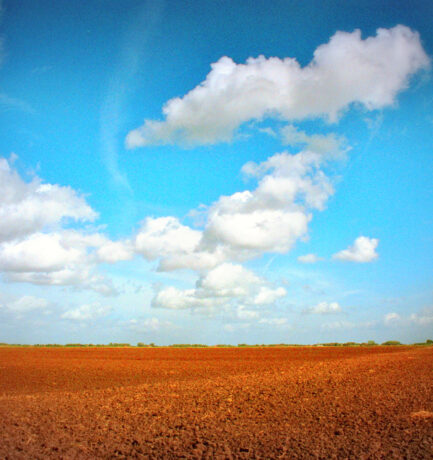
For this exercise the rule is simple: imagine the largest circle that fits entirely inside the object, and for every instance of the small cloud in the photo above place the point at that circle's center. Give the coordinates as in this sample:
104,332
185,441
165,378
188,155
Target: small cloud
267,130
324,308
324,144
391,318
274,321
309,259
87,312
424,317
363,250
244,313
235,327
338,325
148,324
26,303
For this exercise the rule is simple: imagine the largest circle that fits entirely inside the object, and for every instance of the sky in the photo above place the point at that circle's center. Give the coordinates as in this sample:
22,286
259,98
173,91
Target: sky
216,171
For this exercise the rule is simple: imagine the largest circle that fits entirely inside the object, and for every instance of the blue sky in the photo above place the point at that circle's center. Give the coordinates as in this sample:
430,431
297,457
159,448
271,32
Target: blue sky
215,172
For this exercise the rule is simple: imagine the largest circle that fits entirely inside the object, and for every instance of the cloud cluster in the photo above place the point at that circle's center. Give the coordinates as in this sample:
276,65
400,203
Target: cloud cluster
227,284
270,218
344,71
363,250
424,317
35,246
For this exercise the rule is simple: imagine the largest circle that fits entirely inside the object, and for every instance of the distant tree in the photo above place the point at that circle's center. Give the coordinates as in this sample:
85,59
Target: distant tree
391,342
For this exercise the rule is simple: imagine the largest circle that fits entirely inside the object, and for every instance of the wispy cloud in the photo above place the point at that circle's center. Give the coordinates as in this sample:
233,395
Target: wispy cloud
8,103
113,116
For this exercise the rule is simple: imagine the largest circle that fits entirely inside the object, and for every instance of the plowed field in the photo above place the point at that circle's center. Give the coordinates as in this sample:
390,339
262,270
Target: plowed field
216,403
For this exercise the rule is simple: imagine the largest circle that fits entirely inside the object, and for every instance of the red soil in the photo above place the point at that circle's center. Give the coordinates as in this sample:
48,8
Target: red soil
216,403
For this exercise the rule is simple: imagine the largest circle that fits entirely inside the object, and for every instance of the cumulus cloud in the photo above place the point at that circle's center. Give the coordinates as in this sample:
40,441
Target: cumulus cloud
35,246
29,207
64,258
176,245
26,304
114,251
363,250
165,236
267,295
226,285
324,308
275,215
346,70
391,318
309,259
270,218
87,312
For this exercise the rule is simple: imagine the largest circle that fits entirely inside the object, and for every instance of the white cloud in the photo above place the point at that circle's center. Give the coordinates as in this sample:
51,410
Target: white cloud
391,318
275,215
263,230
309,259
344,71
424,317
148,324
58,259
267,295
339,325
270,218
245,314
29,207
34,245
228,280
325,144
324,308
38,253
115,251
227,285
232,327
26,303
165,236
178,299
87,312
274,321
363,250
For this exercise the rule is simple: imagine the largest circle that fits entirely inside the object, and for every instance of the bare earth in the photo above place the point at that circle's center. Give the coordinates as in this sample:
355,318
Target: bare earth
216,403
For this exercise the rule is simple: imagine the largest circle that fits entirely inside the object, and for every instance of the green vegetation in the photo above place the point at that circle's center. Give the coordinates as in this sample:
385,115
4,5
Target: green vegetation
370,343
424,344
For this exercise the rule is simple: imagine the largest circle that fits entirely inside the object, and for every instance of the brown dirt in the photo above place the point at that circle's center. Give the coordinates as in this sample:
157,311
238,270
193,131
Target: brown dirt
358,403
